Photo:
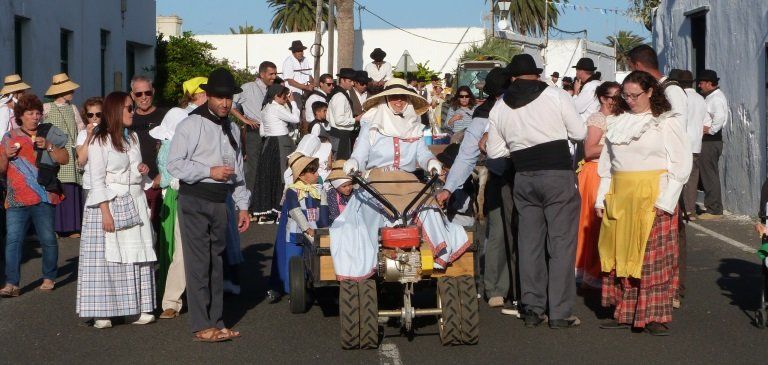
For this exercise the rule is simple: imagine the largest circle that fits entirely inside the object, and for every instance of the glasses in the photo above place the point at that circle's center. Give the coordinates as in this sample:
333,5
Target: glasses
463,96
91,115
328,83
130,108
142,93
633,97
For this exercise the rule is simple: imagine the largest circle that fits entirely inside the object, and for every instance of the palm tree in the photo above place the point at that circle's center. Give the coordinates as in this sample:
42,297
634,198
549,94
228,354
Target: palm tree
643,10
248,29
345,18
527,16
295,15
623,42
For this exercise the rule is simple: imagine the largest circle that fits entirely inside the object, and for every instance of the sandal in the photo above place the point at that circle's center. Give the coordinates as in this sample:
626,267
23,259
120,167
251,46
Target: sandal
47,285
230,334
10,291
210,335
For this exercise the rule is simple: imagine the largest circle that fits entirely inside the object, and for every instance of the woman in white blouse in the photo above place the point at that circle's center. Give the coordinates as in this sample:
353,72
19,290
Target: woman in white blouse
645,162
278,111
116,268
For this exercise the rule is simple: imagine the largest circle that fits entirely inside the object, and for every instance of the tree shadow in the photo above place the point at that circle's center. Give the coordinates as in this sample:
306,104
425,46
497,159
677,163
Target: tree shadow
592,298
741,281
255,276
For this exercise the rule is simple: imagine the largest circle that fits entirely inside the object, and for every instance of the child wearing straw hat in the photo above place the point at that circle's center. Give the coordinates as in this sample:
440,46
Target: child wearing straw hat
304,210
340,190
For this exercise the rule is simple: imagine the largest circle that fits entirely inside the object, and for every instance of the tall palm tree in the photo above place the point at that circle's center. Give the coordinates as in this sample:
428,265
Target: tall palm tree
643,10
527,16
248,29
295,15
345,19
623,42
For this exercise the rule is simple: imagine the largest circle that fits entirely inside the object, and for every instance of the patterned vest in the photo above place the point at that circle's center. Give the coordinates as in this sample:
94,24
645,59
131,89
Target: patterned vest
63,117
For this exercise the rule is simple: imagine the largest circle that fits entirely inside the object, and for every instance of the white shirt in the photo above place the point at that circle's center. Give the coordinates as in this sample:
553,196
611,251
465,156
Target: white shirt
586,102
549,117
317,128
663,145
360,97
379,73
276,118
308,115
717,108
340,113
677,98
299,71
6,119
251,99
81,136
697,116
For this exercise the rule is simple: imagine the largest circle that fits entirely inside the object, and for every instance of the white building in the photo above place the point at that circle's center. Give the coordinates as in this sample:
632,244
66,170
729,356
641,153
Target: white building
730,37
168,25
100,44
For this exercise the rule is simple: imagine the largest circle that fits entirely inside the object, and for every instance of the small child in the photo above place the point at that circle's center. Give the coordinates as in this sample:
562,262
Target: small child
319,127
460,207
319,110
304,210
339,192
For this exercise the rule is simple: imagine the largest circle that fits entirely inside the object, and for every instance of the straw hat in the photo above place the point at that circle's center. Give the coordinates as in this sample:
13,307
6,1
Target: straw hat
61,84
13,83
297,163
397,86
337,171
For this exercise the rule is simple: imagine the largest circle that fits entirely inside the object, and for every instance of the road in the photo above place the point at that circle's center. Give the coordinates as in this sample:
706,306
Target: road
713,326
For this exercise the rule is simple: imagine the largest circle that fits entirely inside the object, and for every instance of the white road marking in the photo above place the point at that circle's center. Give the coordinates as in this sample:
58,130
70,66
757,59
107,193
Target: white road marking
730,241
389,354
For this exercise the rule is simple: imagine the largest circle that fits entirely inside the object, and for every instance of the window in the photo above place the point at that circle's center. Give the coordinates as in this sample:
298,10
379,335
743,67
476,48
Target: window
64,46
698,20
103,61
18,44
130,64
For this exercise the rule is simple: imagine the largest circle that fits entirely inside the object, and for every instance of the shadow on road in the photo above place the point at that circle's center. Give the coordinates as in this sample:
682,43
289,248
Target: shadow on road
253,283
740,280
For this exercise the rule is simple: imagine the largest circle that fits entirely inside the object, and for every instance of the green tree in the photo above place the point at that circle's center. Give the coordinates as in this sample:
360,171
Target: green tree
643,10
623,42
178,59
295,15
528,16
248,29
494,48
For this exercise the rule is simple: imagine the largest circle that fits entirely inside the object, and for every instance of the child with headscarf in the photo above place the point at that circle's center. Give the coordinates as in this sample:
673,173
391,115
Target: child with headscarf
340,190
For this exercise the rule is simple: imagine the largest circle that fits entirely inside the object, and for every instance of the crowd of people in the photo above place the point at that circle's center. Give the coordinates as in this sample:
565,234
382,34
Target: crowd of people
588,184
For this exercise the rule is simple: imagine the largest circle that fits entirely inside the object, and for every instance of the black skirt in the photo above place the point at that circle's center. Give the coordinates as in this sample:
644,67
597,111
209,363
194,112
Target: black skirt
268,190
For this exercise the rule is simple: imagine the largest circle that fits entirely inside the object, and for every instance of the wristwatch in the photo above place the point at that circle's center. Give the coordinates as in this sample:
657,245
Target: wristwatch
50,148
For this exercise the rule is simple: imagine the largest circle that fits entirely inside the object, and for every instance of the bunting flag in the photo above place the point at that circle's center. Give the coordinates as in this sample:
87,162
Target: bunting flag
603,11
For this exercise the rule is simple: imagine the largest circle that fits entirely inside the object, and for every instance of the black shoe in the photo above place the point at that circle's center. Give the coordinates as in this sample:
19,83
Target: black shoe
532,319
273,296
569,322
657,329
613,325
510,308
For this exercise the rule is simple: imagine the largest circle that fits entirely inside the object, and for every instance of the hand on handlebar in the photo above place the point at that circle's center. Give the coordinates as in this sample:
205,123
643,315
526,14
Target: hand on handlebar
350,167
434,167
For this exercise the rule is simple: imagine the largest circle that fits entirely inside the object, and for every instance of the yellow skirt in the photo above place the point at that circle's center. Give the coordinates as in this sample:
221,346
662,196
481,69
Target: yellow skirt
627,222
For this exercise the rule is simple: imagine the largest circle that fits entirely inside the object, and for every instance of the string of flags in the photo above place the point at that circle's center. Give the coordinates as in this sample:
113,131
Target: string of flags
591,8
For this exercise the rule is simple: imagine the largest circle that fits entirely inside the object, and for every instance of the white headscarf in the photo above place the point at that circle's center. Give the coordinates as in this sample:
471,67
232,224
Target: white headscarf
404,126
172,118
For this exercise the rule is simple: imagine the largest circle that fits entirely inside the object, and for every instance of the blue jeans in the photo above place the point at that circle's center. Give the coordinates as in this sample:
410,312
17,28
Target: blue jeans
17,221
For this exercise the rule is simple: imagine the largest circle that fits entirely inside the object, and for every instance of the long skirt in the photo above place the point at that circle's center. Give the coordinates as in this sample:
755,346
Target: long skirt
648,299
110,289
587,256
165,240
69,213
269,181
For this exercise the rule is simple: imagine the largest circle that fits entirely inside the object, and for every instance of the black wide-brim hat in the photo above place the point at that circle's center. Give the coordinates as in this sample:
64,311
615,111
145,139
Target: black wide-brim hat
708,75
297,46
221,82
523,64
555,74
378,54
585,64
496,81
362,77
346,73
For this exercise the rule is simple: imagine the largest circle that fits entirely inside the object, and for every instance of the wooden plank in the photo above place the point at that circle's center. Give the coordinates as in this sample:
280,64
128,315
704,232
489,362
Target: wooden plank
465,265
326,268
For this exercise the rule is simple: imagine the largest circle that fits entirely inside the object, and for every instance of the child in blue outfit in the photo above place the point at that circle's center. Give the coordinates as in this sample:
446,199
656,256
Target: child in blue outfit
304,210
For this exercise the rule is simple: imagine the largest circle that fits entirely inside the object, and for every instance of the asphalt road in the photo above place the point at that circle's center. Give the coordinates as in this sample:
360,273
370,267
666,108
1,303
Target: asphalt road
713,326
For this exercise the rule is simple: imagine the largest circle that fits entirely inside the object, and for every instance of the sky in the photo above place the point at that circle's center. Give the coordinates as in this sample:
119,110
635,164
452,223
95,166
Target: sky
216,17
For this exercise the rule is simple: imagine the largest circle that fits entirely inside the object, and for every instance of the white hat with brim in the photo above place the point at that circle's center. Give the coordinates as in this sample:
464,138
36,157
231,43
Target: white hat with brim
397,86
12,84
61,84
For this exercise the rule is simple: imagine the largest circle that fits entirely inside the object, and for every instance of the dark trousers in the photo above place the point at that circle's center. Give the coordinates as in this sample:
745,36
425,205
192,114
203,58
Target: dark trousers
500,275
709,171
252,150
344,146
691,189
548,206
203,227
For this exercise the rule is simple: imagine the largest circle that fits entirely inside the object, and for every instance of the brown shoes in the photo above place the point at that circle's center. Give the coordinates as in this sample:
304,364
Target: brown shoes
10,291
169,314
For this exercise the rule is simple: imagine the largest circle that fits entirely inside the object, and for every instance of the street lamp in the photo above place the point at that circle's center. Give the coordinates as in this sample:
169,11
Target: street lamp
503,8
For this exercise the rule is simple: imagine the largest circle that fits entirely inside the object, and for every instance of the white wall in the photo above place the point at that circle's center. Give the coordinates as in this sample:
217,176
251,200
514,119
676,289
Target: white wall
86,19
736,48
274,47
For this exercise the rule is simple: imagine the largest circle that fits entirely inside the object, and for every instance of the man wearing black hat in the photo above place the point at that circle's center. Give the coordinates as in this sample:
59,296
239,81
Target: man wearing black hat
584,88
359,92
712,142
553,79
378,70
206,157
533,125
297,72
341,115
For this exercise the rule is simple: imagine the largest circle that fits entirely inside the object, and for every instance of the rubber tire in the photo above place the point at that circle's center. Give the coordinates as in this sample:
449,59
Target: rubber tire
299,300
369,314
470,310
760,318
349,314
450,328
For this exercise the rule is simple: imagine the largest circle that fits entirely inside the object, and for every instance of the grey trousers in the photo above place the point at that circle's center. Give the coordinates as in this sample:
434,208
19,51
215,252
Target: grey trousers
548,205
690,191
204,231
709,170
500,264
253,152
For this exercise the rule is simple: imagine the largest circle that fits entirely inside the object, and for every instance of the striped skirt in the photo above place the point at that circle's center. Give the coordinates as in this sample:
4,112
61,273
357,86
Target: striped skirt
109,289
648,299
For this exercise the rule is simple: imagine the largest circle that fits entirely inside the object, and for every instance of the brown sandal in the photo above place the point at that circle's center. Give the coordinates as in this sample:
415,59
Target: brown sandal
230,334
210,335
10,291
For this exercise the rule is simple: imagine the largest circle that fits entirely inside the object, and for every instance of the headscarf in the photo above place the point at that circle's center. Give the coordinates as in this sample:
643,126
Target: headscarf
272,91
192,86
405,125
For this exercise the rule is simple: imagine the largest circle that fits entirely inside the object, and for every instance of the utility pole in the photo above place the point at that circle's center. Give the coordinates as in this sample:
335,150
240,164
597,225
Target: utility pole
331,41
318,46
246,44
546,31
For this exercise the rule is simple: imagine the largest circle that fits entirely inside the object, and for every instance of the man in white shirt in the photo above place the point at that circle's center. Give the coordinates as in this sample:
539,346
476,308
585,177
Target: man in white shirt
712,142
584,88
359,92
297,72
695,120
553,79
644,58
341,116
533,125
320,93
378,70
249,101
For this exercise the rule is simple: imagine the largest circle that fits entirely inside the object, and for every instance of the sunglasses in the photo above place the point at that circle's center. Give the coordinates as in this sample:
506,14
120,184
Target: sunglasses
142,93
91,115
130,108
463,96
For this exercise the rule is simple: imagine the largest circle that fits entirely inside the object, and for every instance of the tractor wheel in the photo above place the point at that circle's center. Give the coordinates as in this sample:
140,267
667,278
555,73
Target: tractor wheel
450,320
349,314
470,310
298,279
369,314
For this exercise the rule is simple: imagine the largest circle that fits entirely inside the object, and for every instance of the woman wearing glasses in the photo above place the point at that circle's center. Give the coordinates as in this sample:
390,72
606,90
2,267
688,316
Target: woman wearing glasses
92,116
644,164
460,113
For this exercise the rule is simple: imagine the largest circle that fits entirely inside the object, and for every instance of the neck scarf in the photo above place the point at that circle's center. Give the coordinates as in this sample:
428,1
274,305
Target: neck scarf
405,125
624,128
304,189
